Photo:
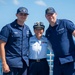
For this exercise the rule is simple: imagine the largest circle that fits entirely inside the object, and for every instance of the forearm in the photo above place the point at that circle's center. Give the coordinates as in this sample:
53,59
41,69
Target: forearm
3,57
2,52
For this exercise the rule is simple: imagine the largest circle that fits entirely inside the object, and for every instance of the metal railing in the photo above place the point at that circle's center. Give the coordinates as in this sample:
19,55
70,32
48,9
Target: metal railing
50,57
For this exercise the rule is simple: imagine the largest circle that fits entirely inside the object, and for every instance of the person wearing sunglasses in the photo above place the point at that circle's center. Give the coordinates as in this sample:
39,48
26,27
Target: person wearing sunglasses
14,44
60,34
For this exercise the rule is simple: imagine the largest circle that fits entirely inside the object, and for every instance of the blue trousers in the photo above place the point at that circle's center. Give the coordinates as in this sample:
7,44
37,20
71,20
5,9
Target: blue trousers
64,69
38,68
17,71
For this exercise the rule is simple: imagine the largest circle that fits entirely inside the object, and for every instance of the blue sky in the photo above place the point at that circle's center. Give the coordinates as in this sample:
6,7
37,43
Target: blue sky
64,8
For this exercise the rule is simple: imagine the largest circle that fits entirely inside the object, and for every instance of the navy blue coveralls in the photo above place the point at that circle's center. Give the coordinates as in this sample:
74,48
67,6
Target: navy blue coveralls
16,48
60,36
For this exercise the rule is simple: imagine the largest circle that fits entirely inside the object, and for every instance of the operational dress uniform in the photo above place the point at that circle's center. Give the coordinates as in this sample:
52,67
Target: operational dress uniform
38,64
16,48
60,36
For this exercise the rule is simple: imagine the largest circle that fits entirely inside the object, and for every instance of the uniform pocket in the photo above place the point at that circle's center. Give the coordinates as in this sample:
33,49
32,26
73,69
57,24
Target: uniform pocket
60,32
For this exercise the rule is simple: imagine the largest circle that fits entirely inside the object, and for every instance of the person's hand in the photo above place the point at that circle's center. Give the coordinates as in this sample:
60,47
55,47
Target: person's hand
5,68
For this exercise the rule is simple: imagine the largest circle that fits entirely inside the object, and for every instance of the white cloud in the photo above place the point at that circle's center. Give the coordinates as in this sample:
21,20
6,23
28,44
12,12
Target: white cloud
2,1
40,2
16,2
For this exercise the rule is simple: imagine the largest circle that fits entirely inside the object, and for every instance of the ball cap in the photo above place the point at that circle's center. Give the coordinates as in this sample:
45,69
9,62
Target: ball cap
50,10
38,25
22,10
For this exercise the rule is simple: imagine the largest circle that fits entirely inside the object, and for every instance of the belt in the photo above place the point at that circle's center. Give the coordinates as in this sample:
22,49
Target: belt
37,60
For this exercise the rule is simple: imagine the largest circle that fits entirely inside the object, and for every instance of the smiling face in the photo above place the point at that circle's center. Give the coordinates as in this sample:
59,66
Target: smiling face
38,33
21,17
51,18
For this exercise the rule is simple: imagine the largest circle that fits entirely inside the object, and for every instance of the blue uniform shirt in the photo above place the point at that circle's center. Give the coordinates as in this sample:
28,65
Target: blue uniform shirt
16,48
60,36
38,48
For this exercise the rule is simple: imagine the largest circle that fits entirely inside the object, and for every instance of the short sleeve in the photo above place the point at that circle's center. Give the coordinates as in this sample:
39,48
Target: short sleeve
4,33
70,26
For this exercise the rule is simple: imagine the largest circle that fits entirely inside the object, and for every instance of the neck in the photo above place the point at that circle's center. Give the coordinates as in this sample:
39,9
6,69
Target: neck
38,37
20,22
52,23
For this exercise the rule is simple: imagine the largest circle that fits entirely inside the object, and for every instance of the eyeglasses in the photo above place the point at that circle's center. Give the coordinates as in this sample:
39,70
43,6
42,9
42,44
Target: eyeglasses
22,14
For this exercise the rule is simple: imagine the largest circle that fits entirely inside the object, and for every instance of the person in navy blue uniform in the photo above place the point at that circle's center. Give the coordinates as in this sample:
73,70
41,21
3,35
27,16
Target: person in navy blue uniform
60,34
38,46
14,45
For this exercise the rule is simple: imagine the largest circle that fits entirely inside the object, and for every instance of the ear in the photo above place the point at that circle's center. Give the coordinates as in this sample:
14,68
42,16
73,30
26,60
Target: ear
16,15
34,30
46,16
43,30
56,14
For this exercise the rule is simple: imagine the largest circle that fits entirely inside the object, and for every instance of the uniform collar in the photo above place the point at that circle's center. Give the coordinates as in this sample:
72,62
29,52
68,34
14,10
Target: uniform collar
16,25
36,37
56,23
